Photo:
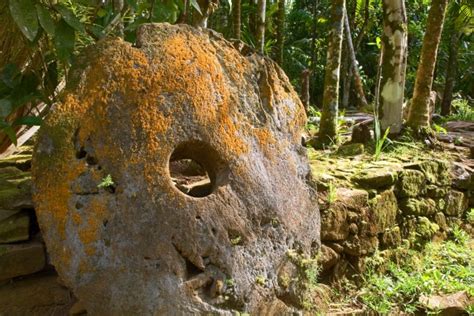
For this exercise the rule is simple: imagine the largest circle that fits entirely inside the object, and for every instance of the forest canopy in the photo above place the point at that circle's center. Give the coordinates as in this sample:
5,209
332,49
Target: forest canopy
39,40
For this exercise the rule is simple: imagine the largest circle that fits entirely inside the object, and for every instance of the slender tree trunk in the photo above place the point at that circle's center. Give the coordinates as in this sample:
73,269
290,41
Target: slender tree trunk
354,69
253,17
236,18
328,127
280,32
363,29
394,62
305,89
207,7
418,115
260,36
313,49
451,72
118,8
345,76
183,17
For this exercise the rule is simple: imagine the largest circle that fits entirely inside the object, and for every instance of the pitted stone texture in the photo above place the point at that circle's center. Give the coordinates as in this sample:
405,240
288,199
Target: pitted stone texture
139,245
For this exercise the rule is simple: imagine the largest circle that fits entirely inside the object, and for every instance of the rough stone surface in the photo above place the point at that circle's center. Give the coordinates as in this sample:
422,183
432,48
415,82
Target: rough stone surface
418,206
21,259
384,210
411,183
36,295
334,223
435,171
139,245
447,305
351,149
14,226
456,203
15,189
376,178
327,258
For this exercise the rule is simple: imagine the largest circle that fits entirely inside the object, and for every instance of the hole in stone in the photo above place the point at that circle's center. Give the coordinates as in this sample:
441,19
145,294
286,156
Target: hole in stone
196,169
91,160
105,222
81,153
79,205
191,269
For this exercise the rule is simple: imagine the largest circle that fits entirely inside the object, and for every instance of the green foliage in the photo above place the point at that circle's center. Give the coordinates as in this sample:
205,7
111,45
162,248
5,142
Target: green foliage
106,182
381,141
463,111
441,268
331,193
470,216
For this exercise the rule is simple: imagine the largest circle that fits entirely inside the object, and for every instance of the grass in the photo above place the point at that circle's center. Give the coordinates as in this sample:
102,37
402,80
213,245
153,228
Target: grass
441,268
462,111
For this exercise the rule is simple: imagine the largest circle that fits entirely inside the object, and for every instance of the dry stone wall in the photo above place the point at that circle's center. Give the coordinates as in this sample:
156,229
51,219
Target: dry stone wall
387,205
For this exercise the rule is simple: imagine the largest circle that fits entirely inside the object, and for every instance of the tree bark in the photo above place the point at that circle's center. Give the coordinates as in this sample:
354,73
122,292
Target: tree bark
329,114
345,76
418,115
280,43
451,72
118,8
236,18
394,62
260,36
313,48
305,89
354,69
207,7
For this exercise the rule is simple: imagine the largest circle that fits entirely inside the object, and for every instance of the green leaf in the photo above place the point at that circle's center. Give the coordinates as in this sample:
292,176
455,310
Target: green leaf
28,120
5,107
64,40
24,14
7,129
45,19
196,6
70,18
10,75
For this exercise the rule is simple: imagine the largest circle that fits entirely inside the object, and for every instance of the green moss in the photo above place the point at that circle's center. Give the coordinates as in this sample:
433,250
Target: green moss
411,183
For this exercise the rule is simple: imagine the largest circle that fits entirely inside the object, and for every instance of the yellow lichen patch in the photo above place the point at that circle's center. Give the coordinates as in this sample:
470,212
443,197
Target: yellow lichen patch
89,233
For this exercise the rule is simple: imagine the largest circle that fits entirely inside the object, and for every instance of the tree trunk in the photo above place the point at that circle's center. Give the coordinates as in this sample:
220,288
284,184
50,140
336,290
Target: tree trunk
451,72
236,18
394,62
354,69
305,89
260,36
328,127
280,32
345,76
207,7
118,8
253,17
313,49
418,115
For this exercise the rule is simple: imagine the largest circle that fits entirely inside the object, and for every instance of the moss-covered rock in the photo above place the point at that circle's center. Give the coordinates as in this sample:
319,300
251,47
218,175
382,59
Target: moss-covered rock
391,238
384,208
425,228
351,149
360,246
334,226
435,191
21,259
15,189
418,206
14,226
411,183
376,178
456,203
440,220
436,171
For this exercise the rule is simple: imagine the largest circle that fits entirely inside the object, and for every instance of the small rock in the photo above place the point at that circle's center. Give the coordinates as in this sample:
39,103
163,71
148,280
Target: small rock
78,309
419,206
327,258
436,171
353,199
360,246
362,133
376,178
351,149
440,220
434,191
21,259
456,203
14,226
334,224
15,189
384,208
411,183
35,295
453,304
335,246
353,229
391,238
